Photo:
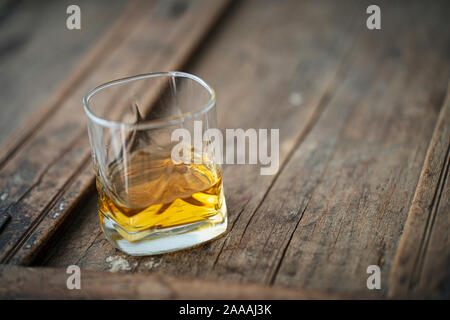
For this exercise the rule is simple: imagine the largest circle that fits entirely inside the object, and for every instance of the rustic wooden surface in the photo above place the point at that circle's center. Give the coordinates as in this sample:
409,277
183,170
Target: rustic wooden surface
48,283
423,250
364,119
47,187
37,52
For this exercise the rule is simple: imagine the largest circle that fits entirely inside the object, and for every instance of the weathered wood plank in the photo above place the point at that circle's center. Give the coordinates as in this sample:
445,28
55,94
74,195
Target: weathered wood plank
45,188
353,151
268,77
347,187
49,283
421,266
367,153
37,53
65,158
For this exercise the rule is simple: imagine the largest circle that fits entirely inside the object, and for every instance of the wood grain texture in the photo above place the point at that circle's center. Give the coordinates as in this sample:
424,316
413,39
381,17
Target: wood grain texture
37,53
260,67
421,266
369,149
41,191
352,152
50,283
364,157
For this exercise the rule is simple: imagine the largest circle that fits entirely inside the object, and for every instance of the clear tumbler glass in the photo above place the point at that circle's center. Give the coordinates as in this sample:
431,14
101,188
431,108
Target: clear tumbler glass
151,202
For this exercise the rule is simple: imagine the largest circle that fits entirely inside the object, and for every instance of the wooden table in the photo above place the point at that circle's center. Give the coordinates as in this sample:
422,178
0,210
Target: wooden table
364,119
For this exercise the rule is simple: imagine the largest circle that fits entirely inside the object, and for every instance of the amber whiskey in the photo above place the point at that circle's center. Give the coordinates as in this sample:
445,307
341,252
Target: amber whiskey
148,197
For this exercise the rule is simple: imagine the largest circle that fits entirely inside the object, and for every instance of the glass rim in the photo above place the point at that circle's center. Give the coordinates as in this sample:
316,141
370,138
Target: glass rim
149,124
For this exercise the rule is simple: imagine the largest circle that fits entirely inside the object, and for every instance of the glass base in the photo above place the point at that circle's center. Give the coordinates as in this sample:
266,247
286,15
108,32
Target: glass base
158,241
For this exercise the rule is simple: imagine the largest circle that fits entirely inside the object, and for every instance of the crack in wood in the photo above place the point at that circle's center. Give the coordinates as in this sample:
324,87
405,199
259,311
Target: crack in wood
18,140
90,245
408,274
284,250
42,174
54,200
216,259
433,209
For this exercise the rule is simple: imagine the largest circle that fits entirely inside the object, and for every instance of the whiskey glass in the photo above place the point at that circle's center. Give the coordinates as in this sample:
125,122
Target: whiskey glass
148,203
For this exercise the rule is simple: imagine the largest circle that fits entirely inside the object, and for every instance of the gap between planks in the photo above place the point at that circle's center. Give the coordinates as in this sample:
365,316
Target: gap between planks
407,271
176,61
82,69
49,283
320,98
